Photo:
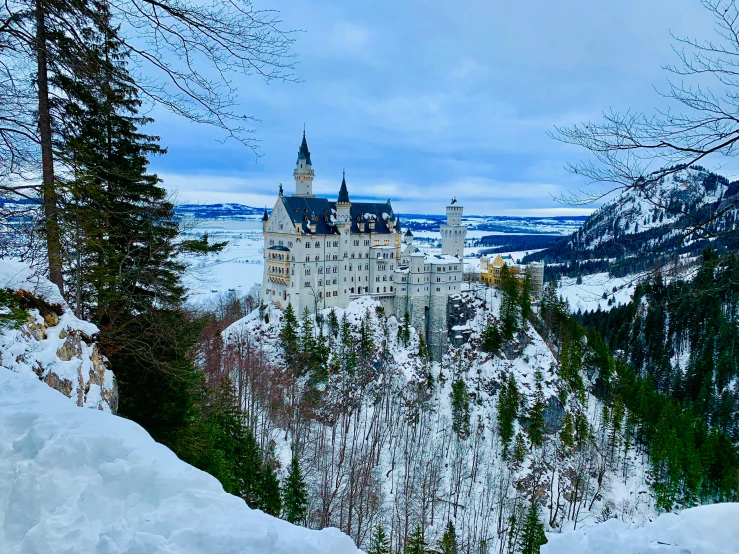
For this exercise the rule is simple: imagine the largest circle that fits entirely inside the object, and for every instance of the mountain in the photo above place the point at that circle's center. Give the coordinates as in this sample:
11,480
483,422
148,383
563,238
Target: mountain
631,233
218,211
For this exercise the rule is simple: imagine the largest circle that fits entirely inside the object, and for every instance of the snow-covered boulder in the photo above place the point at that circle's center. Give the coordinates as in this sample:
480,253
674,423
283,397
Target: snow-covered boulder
79,481
709,529
51,343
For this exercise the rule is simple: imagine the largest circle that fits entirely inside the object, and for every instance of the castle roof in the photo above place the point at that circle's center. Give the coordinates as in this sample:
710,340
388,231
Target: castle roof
343,192
265,217
322,212
303,152
408,233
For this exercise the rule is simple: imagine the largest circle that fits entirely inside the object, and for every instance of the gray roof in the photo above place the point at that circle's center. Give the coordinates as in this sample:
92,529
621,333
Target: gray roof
343,192
303,152
306,210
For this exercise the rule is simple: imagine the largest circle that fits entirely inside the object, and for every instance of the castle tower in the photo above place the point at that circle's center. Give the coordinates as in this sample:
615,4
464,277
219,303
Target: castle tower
343,208
303,171
265,219
453,233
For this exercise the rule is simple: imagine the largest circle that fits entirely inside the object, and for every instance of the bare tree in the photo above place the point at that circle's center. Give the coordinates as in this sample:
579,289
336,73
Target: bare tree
187,53
635,151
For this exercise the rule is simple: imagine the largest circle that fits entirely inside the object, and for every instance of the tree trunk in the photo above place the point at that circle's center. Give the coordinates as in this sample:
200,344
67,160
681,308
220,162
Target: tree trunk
51,223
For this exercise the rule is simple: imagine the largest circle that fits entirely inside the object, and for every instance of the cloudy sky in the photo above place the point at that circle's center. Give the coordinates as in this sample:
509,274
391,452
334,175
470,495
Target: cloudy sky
423,100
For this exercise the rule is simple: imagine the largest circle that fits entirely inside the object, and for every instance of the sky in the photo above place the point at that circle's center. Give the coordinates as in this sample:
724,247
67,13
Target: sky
420,101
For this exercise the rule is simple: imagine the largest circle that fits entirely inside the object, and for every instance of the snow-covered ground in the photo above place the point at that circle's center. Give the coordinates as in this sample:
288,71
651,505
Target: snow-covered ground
709,529
589,294
74,480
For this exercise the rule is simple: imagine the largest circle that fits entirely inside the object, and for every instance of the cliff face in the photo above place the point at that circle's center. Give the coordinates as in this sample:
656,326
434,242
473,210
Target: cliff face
40,335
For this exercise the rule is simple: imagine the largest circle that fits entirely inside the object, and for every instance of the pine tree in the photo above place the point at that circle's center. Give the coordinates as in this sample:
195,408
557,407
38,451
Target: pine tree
380,542
525,297
448,542
289,336
508,403
491,339
416,544
295,495
532,535
535,429
333,324
270,500
509,302
460,408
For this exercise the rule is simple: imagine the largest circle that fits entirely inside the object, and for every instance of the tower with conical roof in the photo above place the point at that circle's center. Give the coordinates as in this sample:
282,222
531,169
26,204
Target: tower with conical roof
303,171
343,208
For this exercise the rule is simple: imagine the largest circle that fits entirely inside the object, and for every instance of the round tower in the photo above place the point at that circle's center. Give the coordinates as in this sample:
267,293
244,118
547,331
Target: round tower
453,233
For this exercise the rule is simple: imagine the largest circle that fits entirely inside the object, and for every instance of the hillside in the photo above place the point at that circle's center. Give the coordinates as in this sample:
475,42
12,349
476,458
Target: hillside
388,437
630,233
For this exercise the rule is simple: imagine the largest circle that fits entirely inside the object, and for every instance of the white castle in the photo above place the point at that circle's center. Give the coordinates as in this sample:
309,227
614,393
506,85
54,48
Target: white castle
322,254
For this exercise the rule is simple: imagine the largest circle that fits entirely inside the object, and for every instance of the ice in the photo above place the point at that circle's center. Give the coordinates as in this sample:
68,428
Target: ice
74,480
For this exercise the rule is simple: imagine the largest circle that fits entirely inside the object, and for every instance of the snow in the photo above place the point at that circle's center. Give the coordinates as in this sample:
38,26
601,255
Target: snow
74,480
703,530
588,296
15,275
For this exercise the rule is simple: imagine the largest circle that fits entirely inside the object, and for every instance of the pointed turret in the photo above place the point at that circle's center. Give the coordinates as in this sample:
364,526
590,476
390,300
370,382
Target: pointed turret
343,208
303,171
265,219
343,191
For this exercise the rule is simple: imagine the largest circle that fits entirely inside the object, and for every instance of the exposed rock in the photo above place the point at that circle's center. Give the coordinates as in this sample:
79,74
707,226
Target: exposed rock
70,349
51,319
62,385
36,330
554,413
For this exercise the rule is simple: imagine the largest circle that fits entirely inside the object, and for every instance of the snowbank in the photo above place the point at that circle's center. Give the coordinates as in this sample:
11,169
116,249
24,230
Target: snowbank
76,480
704,530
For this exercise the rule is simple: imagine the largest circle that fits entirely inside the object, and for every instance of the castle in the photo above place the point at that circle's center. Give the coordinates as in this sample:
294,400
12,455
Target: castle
322,254
490,272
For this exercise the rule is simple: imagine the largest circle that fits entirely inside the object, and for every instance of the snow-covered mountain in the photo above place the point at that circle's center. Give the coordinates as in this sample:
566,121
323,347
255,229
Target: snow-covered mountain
634,230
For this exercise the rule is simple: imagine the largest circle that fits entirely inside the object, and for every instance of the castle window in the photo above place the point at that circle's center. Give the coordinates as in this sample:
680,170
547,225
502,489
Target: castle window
384,289
317,258
279,242
307,258
307,284
281,226
271,242
320,283
307,244
320,270
317,245
378,289
391,289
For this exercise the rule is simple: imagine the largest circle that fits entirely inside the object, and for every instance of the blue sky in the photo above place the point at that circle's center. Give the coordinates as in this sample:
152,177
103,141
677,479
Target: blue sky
424,100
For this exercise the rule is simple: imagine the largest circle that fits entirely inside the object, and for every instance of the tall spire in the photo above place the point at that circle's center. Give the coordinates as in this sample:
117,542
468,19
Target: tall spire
343,191
265,217
303,152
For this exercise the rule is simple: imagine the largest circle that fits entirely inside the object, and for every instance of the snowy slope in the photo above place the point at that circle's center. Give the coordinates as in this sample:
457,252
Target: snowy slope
703,530
74,480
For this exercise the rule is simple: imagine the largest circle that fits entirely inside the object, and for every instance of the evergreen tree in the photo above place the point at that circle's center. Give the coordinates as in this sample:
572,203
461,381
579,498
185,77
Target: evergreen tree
509,302
416,544
508,403
535,429
491,339
460,408
295,495
289,337
525,297
448,542
532,535
380,542
333,324
270,500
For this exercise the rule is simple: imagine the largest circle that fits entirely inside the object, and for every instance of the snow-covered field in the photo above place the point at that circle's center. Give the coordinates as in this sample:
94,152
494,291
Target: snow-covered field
75,480
703,530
